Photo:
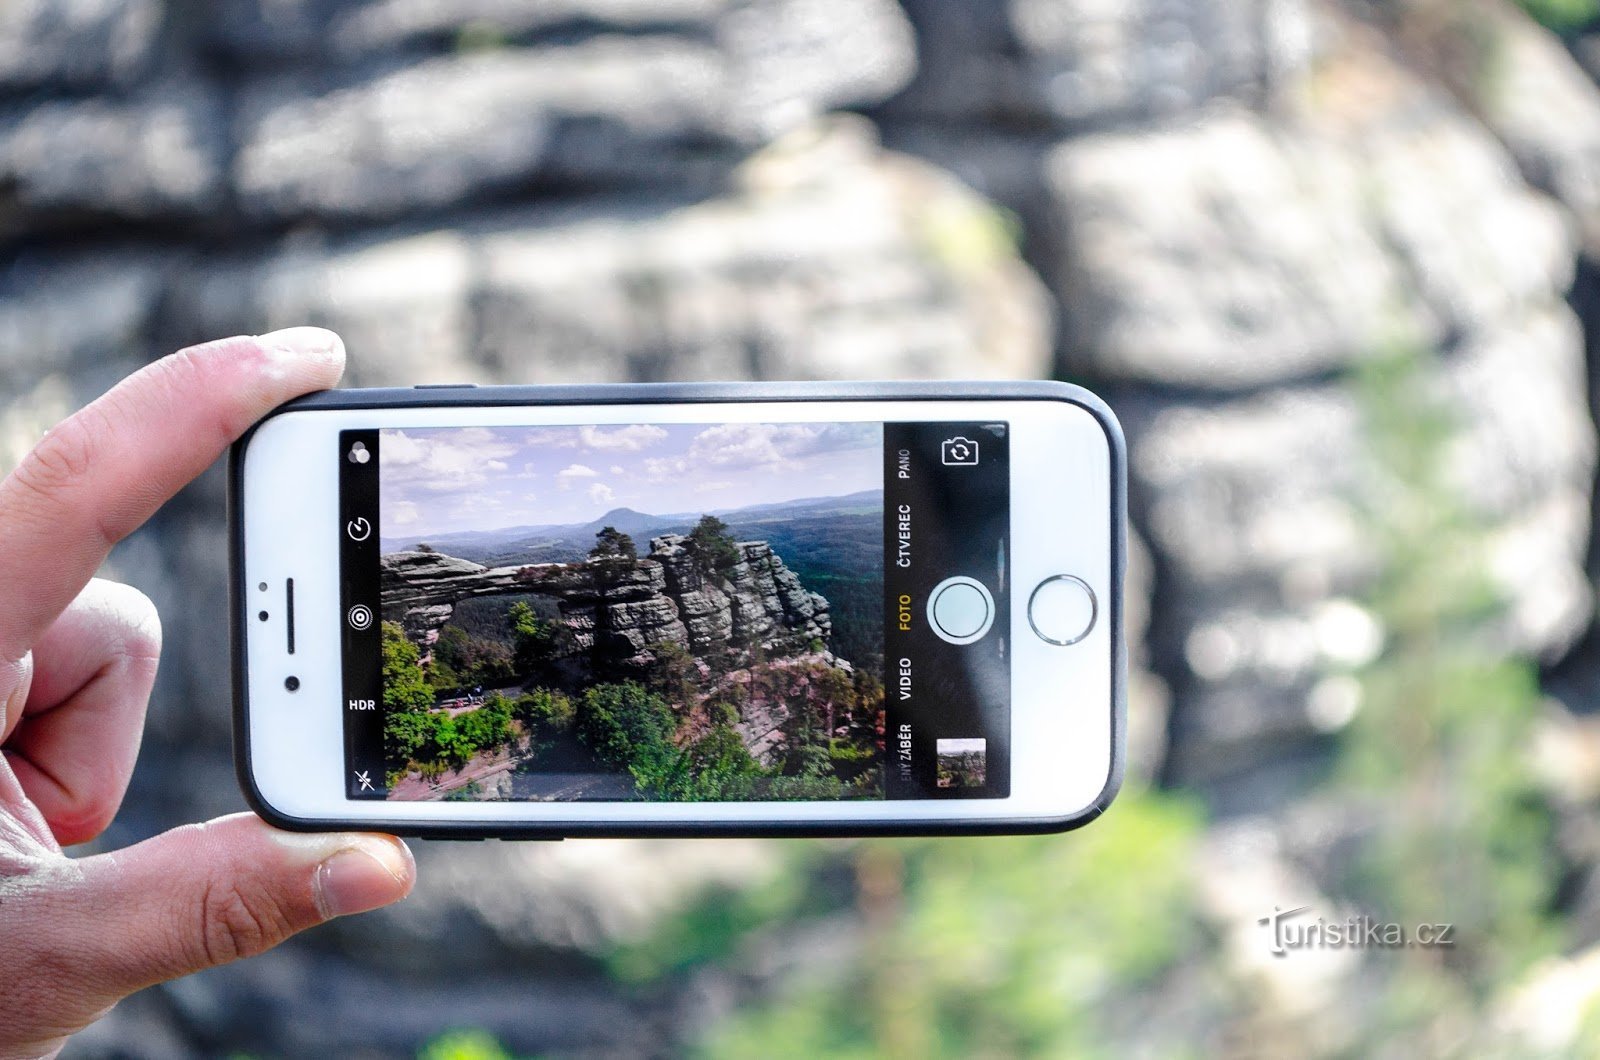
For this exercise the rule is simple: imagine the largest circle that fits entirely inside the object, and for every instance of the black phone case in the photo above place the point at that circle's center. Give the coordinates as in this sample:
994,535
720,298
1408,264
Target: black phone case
468,395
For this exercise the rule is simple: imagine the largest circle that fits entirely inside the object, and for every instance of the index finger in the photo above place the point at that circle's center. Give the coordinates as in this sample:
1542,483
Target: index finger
100,473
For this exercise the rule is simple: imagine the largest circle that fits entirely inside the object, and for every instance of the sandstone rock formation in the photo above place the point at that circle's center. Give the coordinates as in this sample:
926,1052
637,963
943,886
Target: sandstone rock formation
1229,245
1228,209
617,616
685,202
757,600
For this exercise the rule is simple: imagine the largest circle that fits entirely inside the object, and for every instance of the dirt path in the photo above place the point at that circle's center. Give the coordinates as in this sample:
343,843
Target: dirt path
571,775
414,788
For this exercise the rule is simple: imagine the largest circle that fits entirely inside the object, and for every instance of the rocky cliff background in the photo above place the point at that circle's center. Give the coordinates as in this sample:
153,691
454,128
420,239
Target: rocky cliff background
1336,263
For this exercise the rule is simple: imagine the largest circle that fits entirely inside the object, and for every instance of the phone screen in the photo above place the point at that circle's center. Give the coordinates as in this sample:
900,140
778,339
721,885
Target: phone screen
676,612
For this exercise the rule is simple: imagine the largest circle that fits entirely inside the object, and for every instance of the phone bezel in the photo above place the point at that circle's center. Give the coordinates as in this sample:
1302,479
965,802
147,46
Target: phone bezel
447,820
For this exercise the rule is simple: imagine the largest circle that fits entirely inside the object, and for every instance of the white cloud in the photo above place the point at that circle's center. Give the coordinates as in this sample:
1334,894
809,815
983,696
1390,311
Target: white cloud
600,493
399,449
617,469
747,445
713,487
629,439
659,468
403,513
441,462
573,472
768,449
771,446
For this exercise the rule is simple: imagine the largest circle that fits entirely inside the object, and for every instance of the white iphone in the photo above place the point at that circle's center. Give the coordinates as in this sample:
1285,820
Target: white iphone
721,609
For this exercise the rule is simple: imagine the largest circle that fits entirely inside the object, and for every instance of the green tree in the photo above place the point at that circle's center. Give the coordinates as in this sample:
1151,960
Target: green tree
716,767
487,727
711,546
544,711
443,678
492,662
614,550
533,639
1562,16
674,674
464,1045
450,744
451,665
460,658
625,724
408,737
812,760
836,698
405,688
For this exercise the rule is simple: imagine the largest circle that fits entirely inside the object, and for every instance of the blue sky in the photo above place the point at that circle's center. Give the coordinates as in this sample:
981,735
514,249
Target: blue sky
439,480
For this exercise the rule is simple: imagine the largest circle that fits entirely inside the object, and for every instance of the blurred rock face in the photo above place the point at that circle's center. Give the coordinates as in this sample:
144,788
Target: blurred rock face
1248,208
1224,210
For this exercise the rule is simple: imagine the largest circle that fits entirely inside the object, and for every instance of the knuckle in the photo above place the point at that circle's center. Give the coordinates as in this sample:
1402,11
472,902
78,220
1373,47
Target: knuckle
182,372
238,921
62,457
211,372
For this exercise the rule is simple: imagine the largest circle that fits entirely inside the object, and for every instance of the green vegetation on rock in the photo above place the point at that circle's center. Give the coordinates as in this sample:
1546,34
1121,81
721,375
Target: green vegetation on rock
1438,753
977,946
404,686
1562,16
614,551
711,545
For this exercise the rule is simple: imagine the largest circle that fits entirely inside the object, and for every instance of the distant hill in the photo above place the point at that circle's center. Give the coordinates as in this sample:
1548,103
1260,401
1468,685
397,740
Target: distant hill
625,519
570,542
864,501
835,545
462,542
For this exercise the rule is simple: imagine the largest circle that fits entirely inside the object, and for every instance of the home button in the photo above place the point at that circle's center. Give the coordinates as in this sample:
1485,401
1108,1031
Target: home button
1063,609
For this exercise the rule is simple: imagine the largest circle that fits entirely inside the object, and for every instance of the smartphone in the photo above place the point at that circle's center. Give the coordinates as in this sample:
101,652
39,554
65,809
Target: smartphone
672,609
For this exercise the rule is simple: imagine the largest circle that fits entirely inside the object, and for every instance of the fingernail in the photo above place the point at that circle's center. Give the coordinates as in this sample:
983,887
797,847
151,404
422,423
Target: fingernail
317,344
356,879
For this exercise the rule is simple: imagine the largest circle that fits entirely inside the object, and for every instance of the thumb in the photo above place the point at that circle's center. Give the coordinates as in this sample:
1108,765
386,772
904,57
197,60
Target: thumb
207,894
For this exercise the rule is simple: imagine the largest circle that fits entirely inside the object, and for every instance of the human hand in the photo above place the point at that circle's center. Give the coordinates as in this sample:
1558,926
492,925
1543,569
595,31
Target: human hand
77,662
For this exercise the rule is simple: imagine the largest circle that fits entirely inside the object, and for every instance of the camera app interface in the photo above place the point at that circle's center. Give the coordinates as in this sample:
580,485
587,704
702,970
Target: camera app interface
676,612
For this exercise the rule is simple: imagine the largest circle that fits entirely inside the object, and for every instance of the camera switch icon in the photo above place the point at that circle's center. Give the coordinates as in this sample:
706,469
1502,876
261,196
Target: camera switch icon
959,452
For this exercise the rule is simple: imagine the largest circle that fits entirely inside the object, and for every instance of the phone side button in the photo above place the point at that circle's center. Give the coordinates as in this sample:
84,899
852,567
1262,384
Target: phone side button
1063,609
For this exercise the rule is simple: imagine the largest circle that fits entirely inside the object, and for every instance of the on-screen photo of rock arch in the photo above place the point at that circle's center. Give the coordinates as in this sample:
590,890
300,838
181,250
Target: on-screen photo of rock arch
676,612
